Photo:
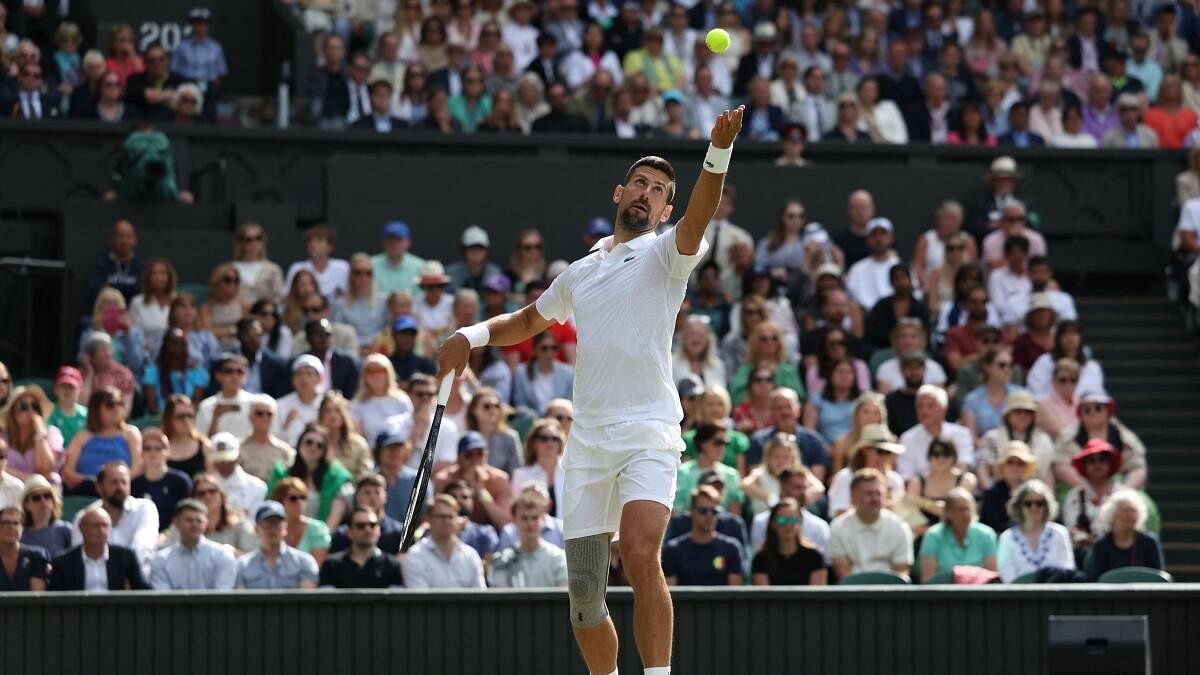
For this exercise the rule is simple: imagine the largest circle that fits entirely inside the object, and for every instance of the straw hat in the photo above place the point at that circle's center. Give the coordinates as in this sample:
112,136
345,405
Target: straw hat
877,436
1017,450
1020,400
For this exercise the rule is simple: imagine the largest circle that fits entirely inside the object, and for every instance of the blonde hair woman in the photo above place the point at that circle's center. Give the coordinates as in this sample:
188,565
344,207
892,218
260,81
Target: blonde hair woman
528,261
222,309
380,405
110,316
762,485
345,445
766,346
696,352
544,446
362,307
868,409
715,407
261,278
304,284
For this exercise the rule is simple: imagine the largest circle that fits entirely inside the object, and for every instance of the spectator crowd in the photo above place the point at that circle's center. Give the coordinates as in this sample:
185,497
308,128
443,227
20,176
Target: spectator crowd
848,408
1114,74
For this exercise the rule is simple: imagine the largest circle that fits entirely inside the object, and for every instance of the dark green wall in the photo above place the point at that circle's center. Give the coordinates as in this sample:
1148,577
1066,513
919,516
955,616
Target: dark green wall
859,631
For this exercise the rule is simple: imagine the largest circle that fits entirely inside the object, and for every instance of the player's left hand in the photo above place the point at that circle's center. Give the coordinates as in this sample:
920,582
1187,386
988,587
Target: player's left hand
727,127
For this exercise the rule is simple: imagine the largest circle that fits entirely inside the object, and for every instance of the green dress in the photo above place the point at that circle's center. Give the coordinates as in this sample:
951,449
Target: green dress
335,477
786,375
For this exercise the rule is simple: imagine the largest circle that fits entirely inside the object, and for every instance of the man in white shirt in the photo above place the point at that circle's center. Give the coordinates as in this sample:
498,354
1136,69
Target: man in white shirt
1041,274
908,336
333,274
869,280
1009,287
434,308
442,560
228,409
624,447
301,406
870,538
134,520
196,562
242,490
932,403
721,233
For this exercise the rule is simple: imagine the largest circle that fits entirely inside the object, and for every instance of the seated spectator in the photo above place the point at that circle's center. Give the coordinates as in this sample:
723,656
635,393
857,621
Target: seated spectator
405,361
126,342
795,483
107,439
1019,133
318,472
1068,343
229,408
29,564
149,310
765,345
422,389
1019,422
97,564
711,439
787,558
932,405
380,404
785,406
954,311
533,562
544,377
728,524
1041,274
1013,222
266,373
869,280
940,251
1035,541
332,274
1074,135
1097,462
763,120
434,311
696,352
173,373
379,117
149,92
968,127
362,307
958,540
833,346
1009,286
275,564
303,285
1057,409
227,525
927,492
981,409
195,563
310,535
869,408
487,415
442,560
1169,119
1129,132
1122,519
1015,465
347,446
110,103
158,482
709,299
1038,336
883,317
42,524
261,450
261,279
67,415
364,564
202,346
558,118
876,449
901,404
961,347
908,336
489,484
736,343
187,448
762,484
713,406
540,461
881,119
245,491
34,443
301,407
703,557
846,124
829,412
870,537
341,338
371,492
754,414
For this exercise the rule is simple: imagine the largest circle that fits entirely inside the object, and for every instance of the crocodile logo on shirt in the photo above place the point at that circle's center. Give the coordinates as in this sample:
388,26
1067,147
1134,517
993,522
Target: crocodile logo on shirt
629,258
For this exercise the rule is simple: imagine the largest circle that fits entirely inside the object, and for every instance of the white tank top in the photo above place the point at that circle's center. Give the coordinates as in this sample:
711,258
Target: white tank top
935,251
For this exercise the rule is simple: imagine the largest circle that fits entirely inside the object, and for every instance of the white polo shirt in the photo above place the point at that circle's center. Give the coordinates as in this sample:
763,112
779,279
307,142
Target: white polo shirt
624,300
915,460
871,548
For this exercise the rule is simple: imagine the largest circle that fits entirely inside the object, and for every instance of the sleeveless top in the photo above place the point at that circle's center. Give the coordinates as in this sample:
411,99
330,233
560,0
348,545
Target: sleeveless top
100,450
934,520
192,465
935,251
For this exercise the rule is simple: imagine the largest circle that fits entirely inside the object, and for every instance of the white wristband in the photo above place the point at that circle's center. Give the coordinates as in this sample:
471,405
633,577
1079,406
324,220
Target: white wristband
477,335
717,159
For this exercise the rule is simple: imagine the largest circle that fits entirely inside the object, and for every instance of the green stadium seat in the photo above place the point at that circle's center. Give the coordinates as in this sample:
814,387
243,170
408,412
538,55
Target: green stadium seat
943,578
1136,575
875,579
521,422
1027,578
73,504
198,290
146,421
46,383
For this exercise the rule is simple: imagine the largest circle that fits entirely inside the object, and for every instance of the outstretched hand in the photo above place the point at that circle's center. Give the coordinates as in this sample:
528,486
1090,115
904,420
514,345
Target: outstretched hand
452,356
727,126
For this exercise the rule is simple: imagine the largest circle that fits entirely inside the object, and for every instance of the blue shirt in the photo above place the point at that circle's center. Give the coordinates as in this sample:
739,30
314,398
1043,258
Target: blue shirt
208,566
834,418
291,567
164,492
939,542
812,450
986,417
199,61
399,494
708,564
181,383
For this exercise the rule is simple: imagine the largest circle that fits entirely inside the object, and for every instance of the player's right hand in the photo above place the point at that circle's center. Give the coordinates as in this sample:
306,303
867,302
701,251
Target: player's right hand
452,356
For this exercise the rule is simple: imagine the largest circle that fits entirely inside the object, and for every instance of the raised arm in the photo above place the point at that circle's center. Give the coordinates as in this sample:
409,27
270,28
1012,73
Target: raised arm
706,195
502,330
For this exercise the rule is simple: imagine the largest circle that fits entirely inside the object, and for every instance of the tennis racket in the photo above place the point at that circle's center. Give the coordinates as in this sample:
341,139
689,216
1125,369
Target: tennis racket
421,484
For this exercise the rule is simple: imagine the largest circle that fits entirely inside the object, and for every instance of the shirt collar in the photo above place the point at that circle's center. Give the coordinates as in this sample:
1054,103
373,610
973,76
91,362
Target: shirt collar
637,243
103,557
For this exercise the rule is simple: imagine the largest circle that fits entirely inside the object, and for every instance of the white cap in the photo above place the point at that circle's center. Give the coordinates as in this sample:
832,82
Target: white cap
476,236
226,447
880,223
309,361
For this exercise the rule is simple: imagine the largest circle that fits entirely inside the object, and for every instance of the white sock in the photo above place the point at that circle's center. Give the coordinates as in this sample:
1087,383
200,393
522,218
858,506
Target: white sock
660,670
613,673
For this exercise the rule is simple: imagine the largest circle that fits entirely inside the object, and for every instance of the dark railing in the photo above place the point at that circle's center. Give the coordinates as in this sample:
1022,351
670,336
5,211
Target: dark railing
861,630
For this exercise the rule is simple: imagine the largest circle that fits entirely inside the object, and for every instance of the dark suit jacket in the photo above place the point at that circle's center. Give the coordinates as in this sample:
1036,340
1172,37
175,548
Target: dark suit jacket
1074,44
368,124
547,73
746,70
920,126
274,375
775,119
50,99
903,91
561,122
124,572
135,95
343,374
1035,141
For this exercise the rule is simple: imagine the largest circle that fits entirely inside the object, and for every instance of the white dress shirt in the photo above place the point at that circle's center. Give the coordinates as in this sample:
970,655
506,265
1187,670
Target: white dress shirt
915,460
236,422
137,529
95,572
424,566
242,490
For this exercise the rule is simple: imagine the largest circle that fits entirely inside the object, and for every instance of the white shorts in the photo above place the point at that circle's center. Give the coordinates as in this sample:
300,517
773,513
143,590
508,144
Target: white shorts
607,467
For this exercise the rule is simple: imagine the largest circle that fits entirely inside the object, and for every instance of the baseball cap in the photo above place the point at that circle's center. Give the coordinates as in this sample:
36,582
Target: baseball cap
396,228
599,227
689,386
672,95
308,361
711,477
476,236
199,14
403,323
69,375
472,440
225,447
765,32
390,437
830,268
913,356
269,509
498,283
880,224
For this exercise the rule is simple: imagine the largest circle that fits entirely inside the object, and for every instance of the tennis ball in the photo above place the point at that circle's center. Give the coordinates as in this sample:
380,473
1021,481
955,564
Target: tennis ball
717,40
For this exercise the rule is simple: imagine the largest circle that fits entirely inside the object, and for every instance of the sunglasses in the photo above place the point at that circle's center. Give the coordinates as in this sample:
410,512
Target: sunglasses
547,438
489,406
40,497
940,453
1089,409
185,416
246,239
1066,380
786,520
263,413
297,498
205,493
420,394
705,510
233,371
1034,504
152,447
112,404
29,405
365,525
1095,459
531,247
956,247
363,273
768,338
313,443
719,440
761,380
1004,365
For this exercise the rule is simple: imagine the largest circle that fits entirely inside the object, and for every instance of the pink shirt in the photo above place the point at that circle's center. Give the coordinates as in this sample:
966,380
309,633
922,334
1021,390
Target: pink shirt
993,244
1055,414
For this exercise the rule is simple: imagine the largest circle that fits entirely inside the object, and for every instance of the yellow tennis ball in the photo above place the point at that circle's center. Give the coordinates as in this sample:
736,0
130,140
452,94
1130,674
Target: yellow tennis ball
717,40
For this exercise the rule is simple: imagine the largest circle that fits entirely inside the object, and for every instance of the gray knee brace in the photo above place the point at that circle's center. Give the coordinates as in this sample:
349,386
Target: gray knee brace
587,575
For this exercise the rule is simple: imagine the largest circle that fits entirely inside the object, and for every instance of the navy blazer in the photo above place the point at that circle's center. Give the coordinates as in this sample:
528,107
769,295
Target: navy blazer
124,572
368,124
1035,141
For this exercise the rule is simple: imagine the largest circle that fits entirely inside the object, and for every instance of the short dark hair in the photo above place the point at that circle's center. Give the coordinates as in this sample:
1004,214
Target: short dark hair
371,480
360,509
100,475
1021,105
422,378
1039,260
658,164
1016,241
229,357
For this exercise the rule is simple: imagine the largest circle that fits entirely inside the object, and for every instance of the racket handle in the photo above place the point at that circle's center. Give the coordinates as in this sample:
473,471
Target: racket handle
444,390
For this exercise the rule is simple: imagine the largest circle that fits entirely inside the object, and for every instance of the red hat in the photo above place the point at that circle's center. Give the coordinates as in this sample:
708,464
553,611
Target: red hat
1097,446
69,375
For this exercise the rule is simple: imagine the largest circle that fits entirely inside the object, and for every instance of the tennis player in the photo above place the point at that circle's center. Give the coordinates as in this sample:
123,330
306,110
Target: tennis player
624,445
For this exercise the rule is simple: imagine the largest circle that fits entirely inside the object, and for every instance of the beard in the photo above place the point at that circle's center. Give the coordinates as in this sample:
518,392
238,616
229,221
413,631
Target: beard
633,220
116,500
